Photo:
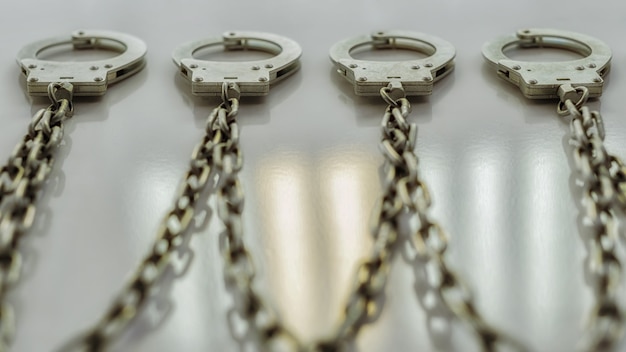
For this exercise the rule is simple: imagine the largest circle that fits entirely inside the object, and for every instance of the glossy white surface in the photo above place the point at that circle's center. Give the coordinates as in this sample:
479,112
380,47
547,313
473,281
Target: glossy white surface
497,166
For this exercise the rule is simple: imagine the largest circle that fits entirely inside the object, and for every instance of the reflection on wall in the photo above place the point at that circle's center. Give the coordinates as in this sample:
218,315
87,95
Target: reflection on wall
525,261
153,190
512,247
349,189
314,215
487,237
551,252
288,231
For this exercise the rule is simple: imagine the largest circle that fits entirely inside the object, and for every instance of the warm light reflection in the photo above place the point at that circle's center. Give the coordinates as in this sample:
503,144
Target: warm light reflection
288,220
314,213
486,239
349,188
523,251
549,250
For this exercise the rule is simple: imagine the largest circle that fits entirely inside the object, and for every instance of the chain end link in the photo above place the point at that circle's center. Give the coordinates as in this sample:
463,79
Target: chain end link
392,93
230,92
58,92
577,95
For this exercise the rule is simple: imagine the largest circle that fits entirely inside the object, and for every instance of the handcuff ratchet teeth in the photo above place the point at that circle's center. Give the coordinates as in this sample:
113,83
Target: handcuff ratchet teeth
416,77
253,77
89,78
541,80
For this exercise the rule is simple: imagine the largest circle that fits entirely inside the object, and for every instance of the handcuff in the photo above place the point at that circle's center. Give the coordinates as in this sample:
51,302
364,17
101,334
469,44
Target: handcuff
218,159
541,80
31,162
215,162
89,78
603,175
406,198
252,77
415,77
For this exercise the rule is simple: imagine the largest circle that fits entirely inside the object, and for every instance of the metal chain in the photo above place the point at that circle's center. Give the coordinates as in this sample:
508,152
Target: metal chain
239,269
371,276
169,238
21,179
218,149
403,192
268,331
404,184
603,177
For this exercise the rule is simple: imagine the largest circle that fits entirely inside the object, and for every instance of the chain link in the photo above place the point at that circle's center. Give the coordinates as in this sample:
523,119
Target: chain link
219,149
363,305
603,191
169,238
21,179
404,184
403,192
267,330
239,269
